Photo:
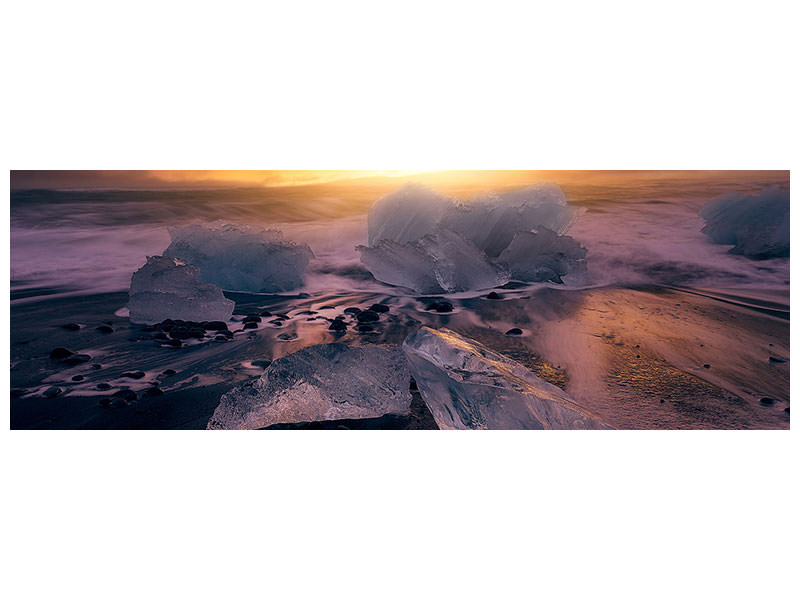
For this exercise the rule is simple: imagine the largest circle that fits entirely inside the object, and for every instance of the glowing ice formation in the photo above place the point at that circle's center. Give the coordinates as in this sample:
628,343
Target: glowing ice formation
468,386
167,288
543,255
241,257
320,383
756,225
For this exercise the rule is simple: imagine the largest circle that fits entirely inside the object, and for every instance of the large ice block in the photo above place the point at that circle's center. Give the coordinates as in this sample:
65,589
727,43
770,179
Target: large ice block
241,257
543,255
320,383
406,215
469,386
440,262
168,288
756,225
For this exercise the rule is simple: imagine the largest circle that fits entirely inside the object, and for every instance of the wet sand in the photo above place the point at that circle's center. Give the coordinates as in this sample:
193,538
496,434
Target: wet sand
636,357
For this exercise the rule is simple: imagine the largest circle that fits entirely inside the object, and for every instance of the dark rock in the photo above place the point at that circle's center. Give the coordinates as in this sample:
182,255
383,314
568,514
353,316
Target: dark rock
768,401
776,360
60,353
353,310
103,386
215,326
440,306
514,331
160,336
78,378
104,329
221,338
367,316
330,307
413,385
126,395
266,313
494,296
379,308
337,325
97,367
286,337
77,359
172,343
52,392
154,391
364,328
277,322
71,326
250,325
262,363
168,372
133,374
179,333
706,366
251,319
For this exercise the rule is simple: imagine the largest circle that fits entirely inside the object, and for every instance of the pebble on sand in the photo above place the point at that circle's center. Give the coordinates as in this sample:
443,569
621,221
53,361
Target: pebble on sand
514,331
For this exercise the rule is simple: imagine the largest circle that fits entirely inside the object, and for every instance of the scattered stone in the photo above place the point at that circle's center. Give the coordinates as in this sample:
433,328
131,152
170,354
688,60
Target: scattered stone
60,353
379,308
215,326
104,329
277,322
413,385
221,338
493,296
103,386
154,391
52,392
768,401
77,359
133,374
97,366
71,326
440,306
706,366
266,313
126,395
514,331
353,310
263,363
168,372
776,360
337,325
250,325
77,378
251,319
364,328
286,337
160,336
367,316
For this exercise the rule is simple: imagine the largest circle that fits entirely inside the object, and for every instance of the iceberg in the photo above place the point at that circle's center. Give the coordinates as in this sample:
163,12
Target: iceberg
440,262
468,386
320,383
543,255
406,215
240,257
168,288
756,225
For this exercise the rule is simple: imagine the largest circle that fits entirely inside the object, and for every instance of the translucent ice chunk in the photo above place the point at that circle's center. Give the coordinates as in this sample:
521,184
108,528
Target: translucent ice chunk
756,225
491,221
543,256
406,215
320,383
468,386
241,258
442,261
167,288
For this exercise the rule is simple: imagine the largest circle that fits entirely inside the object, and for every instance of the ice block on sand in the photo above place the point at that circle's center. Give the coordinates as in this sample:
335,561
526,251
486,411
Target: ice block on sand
320,383
543,255
168,288
756,225
241,257
469,386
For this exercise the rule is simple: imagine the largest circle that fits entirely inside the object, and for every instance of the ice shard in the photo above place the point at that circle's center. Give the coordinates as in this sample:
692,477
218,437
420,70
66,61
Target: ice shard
241,257
168,288
469,386
320,383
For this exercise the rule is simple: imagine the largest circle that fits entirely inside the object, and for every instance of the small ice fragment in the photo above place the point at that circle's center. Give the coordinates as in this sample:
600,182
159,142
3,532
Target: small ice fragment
241,257
167,288
319,383
468,386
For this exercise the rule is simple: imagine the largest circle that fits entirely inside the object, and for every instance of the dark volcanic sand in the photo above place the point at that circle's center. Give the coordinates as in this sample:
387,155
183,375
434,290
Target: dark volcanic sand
636,357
